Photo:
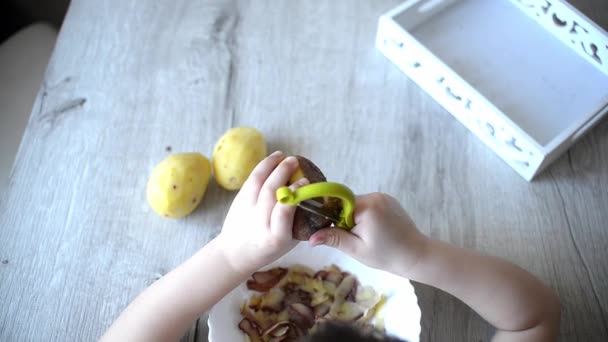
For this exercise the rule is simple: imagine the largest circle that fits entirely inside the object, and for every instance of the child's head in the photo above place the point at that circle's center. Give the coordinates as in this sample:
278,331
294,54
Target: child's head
336,332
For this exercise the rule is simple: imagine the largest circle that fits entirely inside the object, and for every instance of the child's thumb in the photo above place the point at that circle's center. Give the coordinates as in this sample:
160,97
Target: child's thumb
334,237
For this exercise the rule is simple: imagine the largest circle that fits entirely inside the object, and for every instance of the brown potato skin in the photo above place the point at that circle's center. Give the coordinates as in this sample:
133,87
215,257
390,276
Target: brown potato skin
305,223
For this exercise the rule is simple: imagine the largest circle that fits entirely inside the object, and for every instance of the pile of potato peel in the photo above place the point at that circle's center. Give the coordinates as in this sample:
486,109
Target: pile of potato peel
292,302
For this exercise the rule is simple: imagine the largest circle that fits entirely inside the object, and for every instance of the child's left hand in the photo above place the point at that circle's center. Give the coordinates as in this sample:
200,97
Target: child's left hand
257,229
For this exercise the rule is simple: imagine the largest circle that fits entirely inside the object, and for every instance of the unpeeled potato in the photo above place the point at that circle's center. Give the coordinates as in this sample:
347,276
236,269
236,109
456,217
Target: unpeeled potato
304,223
235,155
177,185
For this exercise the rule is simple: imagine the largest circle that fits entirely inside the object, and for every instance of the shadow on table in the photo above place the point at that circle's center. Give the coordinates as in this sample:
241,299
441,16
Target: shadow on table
215,198
583,161
445,318
198,332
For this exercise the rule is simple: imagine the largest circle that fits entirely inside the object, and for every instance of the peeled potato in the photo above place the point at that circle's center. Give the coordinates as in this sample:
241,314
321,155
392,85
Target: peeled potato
299,174
177,185
236,154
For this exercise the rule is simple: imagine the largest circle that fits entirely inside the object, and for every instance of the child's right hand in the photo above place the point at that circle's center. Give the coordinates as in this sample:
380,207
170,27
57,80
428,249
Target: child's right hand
384,236
520,306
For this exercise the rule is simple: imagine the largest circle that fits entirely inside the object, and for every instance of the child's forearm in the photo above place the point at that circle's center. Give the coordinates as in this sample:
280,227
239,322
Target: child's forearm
165,310
511,299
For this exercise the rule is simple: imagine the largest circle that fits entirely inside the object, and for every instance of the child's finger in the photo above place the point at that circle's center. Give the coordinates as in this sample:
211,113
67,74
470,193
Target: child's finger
362,203
278,178
281,219
337,238
260,173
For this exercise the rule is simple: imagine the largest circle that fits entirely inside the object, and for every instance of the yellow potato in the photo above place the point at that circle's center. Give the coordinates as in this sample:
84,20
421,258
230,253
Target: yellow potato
178,183
236,154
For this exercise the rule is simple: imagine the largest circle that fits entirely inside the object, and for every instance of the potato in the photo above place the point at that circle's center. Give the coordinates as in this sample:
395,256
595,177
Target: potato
236,154
305,223
177,185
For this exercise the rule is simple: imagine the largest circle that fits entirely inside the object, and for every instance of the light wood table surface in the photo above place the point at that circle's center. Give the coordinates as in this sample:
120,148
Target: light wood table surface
128,79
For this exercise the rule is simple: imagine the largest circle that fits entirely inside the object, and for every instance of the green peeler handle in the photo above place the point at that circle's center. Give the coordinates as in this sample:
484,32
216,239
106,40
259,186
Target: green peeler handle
322,189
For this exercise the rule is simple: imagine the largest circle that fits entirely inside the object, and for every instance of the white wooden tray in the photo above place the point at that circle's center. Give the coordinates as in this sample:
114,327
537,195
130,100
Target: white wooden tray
528,77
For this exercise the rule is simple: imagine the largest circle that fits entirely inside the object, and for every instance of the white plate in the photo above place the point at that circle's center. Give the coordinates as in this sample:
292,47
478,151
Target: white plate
401,312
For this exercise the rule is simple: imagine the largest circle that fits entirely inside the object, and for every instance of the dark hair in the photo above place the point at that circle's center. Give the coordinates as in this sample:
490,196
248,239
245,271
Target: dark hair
340,332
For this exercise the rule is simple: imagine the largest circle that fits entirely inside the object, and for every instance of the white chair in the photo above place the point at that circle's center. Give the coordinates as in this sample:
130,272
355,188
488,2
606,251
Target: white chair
23,61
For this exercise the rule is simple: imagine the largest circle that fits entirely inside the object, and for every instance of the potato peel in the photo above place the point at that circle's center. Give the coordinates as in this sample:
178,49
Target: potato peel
300,300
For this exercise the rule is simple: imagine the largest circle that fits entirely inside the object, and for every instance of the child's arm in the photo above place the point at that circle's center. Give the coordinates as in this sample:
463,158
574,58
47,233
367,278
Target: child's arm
511,299
257,231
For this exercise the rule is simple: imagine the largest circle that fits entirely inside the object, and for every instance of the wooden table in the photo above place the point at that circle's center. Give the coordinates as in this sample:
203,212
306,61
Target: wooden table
131,80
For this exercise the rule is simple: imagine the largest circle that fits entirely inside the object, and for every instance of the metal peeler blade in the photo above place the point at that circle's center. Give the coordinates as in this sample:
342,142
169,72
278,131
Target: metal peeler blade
316,208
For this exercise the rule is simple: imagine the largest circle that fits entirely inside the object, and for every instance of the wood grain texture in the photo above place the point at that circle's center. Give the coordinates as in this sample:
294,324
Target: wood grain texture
128,79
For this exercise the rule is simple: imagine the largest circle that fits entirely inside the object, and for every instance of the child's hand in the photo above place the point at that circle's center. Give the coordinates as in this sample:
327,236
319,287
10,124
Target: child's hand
257,229
384,236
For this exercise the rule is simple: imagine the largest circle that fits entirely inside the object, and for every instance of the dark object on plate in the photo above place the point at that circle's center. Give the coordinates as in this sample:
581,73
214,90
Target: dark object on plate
306,223
332,331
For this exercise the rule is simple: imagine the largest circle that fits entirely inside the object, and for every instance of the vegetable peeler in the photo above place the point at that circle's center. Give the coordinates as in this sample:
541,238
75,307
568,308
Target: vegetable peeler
305,196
